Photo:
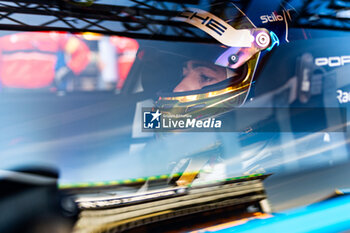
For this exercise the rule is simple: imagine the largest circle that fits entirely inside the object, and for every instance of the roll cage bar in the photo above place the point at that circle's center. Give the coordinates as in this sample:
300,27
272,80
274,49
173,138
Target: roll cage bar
137,18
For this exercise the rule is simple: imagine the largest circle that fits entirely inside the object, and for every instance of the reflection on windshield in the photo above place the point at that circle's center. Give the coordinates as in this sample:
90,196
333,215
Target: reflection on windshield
65,62
98,137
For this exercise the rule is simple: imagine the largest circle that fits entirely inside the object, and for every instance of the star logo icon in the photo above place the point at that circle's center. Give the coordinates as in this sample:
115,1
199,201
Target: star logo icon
156,115
151,119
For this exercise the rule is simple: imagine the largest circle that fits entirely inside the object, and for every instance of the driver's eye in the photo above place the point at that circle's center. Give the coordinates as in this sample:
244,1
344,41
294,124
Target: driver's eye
205,79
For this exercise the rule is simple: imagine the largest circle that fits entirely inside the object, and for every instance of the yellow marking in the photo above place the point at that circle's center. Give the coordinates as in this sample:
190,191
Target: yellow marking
140,180
83,185
187,178
114,182
99,183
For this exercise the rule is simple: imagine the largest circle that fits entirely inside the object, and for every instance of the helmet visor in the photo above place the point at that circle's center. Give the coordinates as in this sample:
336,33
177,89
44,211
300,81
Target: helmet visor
194,68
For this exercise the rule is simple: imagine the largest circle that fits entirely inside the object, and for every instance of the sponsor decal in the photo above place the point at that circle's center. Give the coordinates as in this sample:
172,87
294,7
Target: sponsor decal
332,61
271,18
275,17
343,96
217,28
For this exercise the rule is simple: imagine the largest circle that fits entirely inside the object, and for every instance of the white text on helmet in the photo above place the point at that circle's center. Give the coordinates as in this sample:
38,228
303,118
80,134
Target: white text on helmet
271,18
210,23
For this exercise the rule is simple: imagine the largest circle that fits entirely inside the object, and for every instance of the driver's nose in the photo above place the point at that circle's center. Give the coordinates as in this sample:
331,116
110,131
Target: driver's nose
188,83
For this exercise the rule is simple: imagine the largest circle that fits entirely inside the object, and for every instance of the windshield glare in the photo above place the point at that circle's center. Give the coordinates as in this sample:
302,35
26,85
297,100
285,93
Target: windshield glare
75,102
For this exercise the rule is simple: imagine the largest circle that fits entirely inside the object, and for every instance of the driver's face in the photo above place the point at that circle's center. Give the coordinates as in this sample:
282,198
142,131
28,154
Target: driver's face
198,74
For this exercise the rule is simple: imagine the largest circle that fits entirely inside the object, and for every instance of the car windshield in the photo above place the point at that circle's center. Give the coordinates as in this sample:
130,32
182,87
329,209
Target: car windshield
75,101
109,109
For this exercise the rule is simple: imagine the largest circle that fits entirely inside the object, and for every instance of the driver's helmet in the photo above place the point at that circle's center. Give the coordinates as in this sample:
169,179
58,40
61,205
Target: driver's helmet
206,79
